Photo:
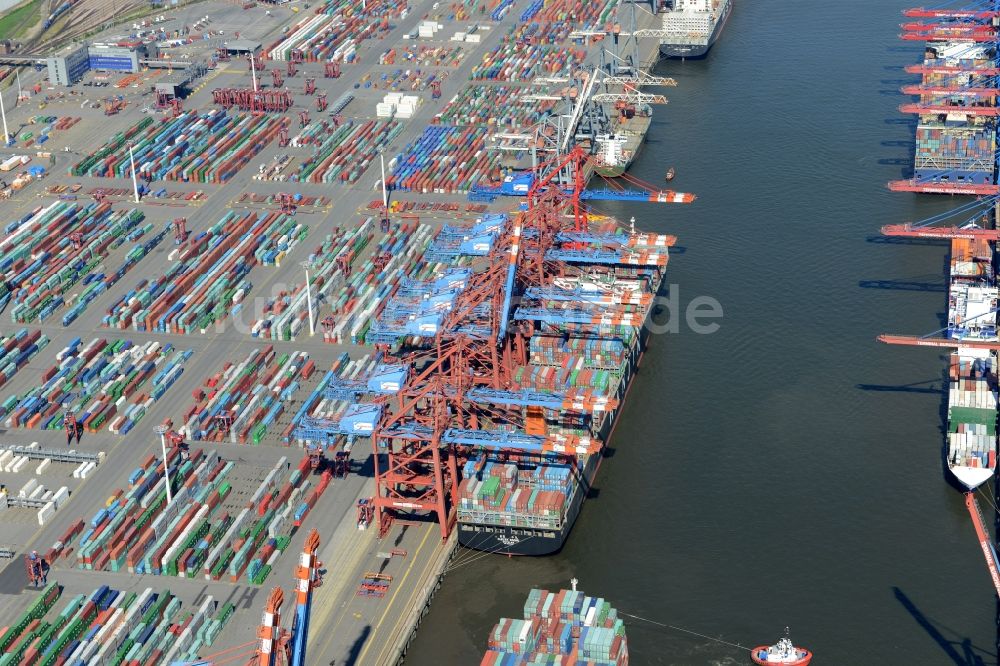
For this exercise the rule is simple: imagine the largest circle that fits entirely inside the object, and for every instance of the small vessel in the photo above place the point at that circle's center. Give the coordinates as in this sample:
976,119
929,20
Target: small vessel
782,652
670,174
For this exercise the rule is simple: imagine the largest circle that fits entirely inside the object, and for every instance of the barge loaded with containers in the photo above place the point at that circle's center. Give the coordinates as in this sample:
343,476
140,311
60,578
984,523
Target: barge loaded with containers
565,627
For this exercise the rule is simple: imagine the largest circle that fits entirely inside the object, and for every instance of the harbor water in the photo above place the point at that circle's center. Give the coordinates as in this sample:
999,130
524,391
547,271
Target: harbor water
787,469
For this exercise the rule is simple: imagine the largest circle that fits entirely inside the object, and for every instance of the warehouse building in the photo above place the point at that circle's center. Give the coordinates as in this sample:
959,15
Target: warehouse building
116,58
67,66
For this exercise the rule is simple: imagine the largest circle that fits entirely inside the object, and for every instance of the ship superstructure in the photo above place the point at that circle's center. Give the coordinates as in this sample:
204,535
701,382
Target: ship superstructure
691,27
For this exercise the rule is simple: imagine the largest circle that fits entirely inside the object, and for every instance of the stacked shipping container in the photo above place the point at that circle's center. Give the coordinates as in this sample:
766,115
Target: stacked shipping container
101,382
110,626
565,627
208,148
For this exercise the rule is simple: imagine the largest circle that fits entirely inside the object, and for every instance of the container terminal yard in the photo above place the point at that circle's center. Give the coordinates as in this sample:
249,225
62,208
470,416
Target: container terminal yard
201,266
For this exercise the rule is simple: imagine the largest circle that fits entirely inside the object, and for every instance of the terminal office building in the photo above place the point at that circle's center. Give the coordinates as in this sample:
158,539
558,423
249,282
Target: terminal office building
69,65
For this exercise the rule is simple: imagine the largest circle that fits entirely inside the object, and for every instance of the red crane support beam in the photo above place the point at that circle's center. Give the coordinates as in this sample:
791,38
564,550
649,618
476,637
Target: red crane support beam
942,187
950,108
984,539
929,27
920,12
944,90
910,231
914,341
945,36
952,69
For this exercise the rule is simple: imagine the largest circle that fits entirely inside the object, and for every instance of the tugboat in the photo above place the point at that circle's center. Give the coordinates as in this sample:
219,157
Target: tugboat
783,652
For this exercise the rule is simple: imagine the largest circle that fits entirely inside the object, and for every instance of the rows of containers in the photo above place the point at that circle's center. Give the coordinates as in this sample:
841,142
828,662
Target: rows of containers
565,627
529,50
209,279
360,299
103,383
49,124
343,153
244,401
53,248
422,55
207,147
285,316
336,30
956,149
209,528
16,349
112,626
507,495
497,105
444,160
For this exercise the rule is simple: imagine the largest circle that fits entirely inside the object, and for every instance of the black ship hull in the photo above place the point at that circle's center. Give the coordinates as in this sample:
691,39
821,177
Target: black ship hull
697,51
511,540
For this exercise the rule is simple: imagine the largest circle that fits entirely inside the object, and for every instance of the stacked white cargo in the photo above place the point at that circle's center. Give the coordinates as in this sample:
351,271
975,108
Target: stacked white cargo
426,29
406,106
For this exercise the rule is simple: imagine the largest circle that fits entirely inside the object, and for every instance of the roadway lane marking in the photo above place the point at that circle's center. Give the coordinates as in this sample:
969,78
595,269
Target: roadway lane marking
392,600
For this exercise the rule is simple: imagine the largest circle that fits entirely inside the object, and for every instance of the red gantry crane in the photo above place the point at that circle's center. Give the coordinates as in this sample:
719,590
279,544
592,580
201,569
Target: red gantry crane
460,395
989,552
275,645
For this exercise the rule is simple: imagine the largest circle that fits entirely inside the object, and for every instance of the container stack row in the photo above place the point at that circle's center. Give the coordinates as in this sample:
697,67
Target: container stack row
444,160
16,349
51,249
336,32
207,529
533,497
112,626
102,383
243,401
565,627
348,316
287,315
209,147
209,280
345,153
497,105
530,50
420,55
569,15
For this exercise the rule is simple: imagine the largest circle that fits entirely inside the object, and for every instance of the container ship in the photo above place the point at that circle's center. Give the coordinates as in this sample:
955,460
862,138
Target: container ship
955,143
692,26
524,504
972,388
617,149
565,627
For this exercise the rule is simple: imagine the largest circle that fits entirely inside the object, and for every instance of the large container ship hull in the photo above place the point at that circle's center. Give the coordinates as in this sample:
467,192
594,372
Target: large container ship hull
510,540
697,49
